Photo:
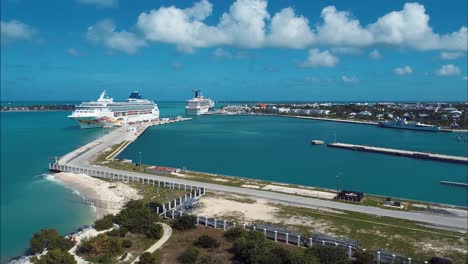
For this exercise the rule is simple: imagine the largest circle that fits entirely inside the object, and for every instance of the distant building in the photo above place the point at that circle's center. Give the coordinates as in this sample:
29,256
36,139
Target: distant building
365,113
283,110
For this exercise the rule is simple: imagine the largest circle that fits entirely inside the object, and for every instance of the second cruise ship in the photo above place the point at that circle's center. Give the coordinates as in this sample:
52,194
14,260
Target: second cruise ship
104,112
198,105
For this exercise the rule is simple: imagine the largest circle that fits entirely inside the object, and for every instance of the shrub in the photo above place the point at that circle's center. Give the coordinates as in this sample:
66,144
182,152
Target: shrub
146,258
253,247
206,241
302,257
122,231
185,222
363,258
55,256
127,243
329,254
437,260
100,248
234,233
136,216
154,231
104,223
50,239
189,256
113,233
154,206
207,259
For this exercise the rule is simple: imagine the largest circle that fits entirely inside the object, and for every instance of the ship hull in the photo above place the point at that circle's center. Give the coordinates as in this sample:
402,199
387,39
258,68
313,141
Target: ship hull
107,121
428,129
196,111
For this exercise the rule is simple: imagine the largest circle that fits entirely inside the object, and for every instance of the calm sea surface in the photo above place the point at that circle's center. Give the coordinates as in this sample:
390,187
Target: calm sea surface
279,149
30,201
272,148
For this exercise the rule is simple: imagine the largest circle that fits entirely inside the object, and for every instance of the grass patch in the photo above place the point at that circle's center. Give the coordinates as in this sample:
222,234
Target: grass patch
396,235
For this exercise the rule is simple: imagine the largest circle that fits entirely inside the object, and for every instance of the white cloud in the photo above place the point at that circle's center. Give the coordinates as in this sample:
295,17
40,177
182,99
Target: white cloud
104,33
319,58
375,54
339,28
447,70
349,79
289,30
446,55
410,27
346,50
73,52
248,24
100,3
406,70
15,30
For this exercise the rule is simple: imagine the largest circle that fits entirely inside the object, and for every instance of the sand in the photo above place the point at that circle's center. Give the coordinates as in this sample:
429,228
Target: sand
305,192
222,208
111,196
250,186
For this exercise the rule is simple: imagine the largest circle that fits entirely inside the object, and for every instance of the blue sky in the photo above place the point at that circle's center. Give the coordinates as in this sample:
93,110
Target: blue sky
234,50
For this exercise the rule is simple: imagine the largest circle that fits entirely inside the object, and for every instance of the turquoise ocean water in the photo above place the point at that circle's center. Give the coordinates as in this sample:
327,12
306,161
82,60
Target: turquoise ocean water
30,201
272,148
279,149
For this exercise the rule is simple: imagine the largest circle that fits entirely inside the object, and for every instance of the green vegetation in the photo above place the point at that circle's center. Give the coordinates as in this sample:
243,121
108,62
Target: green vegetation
329,254
189,256
50,239
127,243
208,259
185,222
363,258
146,258
234,233
154,231
136,216
101,248
55,256
104,223
404,237
206,241
253,247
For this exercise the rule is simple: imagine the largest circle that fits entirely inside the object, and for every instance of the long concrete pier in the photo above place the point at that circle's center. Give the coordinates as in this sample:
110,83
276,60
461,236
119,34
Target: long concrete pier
403,153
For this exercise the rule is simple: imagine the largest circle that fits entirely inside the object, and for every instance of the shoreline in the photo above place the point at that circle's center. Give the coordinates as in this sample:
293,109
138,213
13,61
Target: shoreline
105,197
359,122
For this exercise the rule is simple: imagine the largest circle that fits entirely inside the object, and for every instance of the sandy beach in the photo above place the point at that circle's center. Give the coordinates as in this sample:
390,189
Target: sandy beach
113,195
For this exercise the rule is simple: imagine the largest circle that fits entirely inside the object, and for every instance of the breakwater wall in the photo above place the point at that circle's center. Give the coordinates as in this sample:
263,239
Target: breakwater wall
403,153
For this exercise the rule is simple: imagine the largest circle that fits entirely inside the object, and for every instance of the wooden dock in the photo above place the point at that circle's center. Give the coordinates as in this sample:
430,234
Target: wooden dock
461,184
403,153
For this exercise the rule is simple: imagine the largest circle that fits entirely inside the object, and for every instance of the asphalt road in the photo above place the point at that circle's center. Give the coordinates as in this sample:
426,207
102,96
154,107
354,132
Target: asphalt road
81,159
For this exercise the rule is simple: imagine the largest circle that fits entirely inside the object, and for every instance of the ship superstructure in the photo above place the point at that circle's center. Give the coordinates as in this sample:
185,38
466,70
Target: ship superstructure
402,123
198,105
104,112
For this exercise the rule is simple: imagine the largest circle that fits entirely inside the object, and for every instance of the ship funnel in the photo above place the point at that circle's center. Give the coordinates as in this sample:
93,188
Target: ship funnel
197,93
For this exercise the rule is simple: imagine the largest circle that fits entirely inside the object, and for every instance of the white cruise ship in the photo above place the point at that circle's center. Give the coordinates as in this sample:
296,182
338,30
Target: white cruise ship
198,105
104,112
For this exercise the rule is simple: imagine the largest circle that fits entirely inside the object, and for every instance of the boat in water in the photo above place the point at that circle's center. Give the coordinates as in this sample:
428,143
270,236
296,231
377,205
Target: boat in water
104,112
198,105
402,123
